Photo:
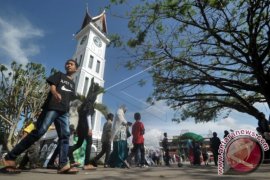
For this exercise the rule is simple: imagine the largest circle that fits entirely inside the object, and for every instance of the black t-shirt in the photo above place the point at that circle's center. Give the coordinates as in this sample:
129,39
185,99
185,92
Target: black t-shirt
214,143
165,143
65,87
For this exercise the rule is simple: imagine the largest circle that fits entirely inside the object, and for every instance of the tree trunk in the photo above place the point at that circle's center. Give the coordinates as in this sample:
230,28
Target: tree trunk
10,141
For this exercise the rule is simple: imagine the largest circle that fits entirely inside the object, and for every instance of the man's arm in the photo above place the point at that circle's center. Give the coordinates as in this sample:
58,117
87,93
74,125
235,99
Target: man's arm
89,121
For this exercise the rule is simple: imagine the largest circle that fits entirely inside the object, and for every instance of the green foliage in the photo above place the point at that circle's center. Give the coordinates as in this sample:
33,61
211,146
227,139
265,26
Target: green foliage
101,108
208,56
115,40
138,40
89,103
118,1
22,92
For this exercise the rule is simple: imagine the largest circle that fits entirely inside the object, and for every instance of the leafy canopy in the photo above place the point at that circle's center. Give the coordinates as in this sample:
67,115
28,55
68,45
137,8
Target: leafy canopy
208,56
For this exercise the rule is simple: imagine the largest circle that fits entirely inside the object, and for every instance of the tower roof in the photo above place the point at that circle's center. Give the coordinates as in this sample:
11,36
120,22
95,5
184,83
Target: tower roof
87,20
99,21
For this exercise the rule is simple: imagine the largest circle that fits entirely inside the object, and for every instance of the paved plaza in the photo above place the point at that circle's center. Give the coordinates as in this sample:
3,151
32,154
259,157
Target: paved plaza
186,172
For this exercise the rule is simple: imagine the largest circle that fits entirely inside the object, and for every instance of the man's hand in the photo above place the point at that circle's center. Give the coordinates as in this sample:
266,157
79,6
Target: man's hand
55,94
57,97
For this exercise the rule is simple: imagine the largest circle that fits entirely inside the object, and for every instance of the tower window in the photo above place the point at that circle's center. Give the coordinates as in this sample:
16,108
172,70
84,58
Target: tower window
91,60
98,66
83,40
80,61
85,88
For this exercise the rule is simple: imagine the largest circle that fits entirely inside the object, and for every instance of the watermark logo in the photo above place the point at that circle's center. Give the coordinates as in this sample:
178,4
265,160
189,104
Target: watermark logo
241,152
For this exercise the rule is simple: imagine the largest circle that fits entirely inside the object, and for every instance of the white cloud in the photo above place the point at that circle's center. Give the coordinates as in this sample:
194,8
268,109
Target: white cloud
232,124
152,138
154,133
16,37
157,119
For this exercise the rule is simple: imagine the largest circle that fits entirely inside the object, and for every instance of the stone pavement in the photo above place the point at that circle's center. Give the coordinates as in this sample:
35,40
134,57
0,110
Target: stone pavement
186,172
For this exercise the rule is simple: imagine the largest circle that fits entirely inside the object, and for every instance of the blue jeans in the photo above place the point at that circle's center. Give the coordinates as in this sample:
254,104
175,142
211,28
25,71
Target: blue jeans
46,118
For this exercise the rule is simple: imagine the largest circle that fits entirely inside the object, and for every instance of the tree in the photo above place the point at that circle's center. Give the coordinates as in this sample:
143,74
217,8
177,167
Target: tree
22,92
89,104
208,56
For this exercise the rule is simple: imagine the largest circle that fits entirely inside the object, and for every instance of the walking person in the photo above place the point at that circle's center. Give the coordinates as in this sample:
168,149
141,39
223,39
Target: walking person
190,147
226,133
119,137
32,153
106,142
214,144
55,109
138,140
205,154
165,145
84,132
197,154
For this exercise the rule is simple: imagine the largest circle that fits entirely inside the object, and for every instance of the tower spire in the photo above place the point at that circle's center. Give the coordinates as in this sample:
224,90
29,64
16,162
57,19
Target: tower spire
87,7
87,18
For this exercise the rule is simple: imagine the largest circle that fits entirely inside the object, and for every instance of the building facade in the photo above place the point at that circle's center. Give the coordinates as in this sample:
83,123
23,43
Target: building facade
90,54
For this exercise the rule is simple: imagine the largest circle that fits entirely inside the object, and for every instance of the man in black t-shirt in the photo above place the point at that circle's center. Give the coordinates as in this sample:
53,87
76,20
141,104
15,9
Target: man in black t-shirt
214,144
165,145
55,109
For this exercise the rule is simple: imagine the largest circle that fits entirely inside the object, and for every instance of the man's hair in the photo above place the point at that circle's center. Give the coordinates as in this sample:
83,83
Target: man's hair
72,60
110,116
137,116
165,134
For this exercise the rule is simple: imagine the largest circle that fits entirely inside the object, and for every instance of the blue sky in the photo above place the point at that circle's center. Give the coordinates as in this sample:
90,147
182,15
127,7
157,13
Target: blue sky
42,31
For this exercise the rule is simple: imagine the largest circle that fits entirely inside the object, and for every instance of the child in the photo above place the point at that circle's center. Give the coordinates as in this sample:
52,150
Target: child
138,140
106,141
205,156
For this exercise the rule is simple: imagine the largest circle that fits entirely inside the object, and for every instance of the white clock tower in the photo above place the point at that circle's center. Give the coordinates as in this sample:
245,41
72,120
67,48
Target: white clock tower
90,55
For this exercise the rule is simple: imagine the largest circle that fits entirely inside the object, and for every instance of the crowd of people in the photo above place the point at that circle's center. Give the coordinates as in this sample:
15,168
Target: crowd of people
116,132
56,110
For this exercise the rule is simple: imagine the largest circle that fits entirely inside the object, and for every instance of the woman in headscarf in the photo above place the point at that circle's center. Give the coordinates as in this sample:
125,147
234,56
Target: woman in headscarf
119,137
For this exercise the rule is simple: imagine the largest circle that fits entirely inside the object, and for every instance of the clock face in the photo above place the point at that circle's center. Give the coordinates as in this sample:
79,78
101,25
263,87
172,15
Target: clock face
83,40
97,41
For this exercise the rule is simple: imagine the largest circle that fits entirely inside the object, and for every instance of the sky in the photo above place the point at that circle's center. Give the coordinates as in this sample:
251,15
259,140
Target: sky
42,32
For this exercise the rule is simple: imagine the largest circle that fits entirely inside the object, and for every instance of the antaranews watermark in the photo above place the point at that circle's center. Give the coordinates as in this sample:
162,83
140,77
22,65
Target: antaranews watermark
242,151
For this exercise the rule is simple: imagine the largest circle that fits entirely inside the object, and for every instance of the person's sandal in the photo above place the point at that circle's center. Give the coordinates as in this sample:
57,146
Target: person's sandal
75,164
89,167
10,170
70,170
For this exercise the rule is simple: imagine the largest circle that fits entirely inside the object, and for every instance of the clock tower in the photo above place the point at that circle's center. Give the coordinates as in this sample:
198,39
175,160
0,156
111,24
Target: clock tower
90,55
